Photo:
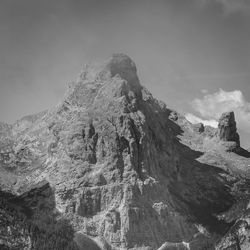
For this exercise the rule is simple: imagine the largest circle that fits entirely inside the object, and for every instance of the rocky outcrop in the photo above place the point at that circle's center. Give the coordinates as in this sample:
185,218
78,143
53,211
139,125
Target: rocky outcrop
173,116
227,128
238,235
199,127
29,221
127,172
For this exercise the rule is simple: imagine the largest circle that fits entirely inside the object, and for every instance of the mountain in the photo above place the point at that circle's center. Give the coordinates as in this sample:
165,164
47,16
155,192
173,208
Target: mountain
123,171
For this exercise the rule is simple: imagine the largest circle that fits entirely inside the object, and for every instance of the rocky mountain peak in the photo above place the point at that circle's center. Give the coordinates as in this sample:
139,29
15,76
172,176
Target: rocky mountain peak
118,64
227,128
115,77
121,64
122,171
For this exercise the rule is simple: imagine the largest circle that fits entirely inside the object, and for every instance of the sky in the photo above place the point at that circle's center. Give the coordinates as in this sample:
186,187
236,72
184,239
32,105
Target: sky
192,54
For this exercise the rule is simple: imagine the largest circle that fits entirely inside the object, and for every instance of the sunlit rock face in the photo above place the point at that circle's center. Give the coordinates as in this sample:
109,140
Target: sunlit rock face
126,171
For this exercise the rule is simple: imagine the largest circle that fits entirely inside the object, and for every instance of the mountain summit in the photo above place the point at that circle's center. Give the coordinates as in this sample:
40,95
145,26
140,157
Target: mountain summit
117,169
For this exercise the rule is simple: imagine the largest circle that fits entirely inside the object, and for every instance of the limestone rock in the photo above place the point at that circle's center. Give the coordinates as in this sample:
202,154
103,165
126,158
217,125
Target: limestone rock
173,116
125,171
227,128
199,127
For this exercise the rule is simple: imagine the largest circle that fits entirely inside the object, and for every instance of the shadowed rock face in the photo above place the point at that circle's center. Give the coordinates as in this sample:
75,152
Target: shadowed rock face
199,127
29,221
120,64
227,128
126,172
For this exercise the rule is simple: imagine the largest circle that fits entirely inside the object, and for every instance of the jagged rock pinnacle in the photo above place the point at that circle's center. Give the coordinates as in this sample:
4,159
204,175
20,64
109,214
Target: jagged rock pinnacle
227,128
121,64
115,77
118,64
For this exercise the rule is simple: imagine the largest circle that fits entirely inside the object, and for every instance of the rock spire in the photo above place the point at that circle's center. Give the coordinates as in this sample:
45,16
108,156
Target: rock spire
227,128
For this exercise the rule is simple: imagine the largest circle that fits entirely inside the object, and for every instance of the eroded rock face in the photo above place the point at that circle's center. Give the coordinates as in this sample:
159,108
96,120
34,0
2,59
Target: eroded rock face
122,165
123,66
29,222
227,128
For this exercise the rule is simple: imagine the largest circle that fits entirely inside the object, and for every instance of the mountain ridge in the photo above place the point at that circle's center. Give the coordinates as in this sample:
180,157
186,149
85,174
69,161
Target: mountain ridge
127,171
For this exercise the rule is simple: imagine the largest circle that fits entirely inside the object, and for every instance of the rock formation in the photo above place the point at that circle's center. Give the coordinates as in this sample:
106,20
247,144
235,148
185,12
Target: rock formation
29,222
199,127
227,128
126,171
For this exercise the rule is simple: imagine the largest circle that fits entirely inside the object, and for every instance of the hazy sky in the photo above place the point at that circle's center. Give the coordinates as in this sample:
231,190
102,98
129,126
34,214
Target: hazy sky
192,54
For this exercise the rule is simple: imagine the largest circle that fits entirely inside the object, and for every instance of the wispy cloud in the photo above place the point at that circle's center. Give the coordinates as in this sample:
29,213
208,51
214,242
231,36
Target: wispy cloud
195,119
228,6
211,106
232,6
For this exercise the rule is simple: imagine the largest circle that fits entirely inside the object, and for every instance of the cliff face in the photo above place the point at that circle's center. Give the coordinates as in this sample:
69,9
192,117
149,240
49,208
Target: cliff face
227,128
126,171
29,221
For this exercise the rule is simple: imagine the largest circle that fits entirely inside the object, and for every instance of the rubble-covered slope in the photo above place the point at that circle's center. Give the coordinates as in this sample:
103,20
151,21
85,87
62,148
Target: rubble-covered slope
126,171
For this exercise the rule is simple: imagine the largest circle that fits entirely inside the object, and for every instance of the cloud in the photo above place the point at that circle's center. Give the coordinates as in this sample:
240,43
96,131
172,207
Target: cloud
204,91
195,119
228,6
232,6
211,106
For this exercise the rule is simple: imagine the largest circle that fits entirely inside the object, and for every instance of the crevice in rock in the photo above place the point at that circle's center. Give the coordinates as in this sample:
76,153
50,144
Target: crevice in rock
135,148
